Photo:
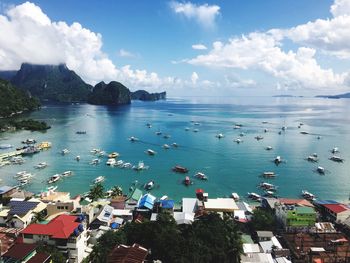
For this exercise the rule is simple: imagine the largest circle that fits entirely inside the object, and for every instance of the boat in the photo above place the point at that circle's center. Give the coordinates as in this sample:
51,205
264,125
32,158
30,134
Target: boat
54,179
95,151
197,123
337,159
269,193
284,128
320,170
95,161
166,136
175,145
237,140
119,163
149,125
29,141
64,151
266,130
150,152
264,122
5,146
307,195
269,174
319,137
52,188
140,166
219,136
30,150
267,186
180,169
187,181
312,158
236,127
164,197
44,145
41,165
77,158
113,155
23,182
21,173
201,176
111,162
278,160
126,165
67,173
99,179
195,130
335,150
17,160
187,128
149,185
254,196
258,138
133,139
268,148
158,133
235,196
166,146
81,132
241,134
304,132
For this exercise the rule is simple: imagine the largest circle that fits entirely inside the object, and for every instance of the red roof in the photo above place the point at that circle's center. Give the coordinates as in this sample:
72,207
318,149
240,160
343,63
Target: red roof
300,202
336,208
20,251
61,226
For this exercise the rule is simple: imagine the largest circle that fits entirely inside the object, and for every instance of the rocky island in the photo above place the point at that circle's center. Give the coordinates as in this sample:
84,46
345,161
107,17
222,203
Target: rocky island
113,93
146,96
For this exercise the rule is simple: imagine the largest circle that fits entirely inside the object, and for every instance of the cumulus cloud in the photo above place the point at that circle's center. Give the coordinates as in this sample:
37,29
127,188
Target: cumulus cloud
199,47
204,15
194,77
126,54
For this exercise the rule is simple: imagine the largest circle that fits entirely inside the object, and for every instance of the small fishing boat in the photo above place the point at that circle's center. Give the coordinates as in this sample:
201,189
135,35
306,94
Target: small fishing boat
258,138
304,132
238,141
219,136
150,152
140,166
187,128
337,159
149,186
312,158
81,132
54,179
126,165
158,133
52,188
41,165
278,160
166,136
320,170
113,155
149,125
5,146
254,196
195,130
133,139
29,141
99,179
175,145
67,173
197,123
180,169
95,162
269,175
241,134
166,146
111,162
95,151
335,150
267,186
284,128
164,197
268,148
17,160
201,176
30,150
266,130
77,158
119,163
235,196
64,151
269,193
307,195
187,181
21,173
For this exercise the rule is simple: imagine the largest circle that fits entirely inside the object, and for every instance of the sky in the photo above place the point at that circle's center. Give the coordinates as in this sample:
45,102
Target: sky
216,48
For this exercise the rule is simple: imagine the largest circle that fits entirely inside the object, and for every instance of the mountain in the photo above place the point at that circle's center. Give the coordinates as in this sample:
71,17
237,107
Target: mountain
340,96
146,96
14,101
113,93
51,83
7,74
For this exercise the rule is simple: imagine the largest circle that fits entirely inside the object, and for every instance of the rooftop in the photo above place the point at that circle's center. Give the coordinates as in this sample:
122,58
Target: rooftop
40,258
337,208
4,189
55,196
60,227
123,254
20,251
221,205
22,207
304,210
299,202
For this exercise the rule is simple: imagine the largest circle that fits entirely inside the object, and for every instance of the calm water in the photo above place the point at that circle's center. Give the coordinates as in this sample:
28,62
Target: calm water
231,167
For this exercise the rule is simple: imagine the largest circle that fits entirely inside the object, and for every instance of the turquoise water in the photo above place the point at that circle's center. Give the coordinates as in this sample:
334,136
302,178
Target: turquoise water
230,167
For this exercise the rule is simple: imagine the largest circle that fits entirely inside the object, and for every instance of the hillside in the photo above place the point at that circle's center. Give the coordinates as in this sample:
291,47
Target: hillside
113,93
146,96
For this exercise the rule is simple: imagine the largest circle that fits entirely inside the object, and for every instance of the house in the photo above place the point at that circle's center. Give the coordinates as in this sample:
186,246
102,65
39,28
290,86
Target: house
336,212
220,205
25,253
20,212
7,191
295,216
67,233
123,254
264,235
59,202
147,202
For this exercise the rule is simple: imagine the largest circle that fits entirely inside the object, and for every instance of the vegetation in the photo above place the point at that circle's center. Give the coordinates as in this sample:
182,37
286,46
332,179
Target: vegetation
56,255
146,96
210,239
116,191
27,124
14,101
113,93
262,220
96,192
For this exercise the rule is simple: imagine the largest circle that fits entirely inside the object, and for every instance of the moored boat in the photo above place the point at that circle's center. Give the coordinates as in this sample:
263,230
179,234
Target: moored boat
67,173
113,155
337,159
180,169
64,151
99,179
150,152
258,138
235,196
320,170
254,196
54,179
140,166
166,146
201,176
133,139
219,136
267,186
278,160
269,174
111,162
307,195
187,181
5,146
149,186
41,165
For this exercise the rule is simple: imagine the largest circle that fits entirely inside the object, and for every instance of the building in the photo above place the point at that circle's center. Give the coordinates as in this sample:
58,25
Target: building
123,254
59,202
220,205
25,253
264,235
295,216
336,212
66,232
6,191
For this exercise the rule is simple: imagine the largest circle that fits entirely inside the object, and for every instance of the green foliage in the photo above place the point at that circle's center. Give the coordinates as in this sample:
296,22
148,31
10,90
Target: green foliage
113,93
116,191
146,96
13,100
56,255
39,217
262,220
210,239
96,192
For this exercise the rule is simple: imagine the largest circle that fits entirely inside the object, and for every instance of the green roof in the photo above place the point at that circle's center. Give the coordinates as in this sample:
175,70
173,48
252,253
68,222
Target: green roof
136,195
247,239
304,210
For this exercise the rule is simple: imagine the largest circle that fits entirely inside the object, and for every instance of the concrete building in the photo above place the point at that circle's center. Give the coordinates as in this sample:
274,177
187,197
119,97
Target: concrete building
220,205
295,216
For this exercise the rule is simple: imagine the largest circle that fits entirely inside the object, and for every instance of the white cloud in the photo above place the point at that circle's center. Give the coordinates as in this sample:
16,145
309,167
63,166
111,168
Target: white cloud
204,15
199,47
194,77
127,54
340,7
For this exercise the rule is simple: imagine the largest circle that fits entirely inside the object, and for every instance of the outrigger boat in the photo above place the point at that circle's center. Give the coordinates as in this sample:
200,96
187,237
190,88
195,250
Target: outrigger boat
54,179
166,146
278,160
268,186
41,165
99,179
113,155
201,176
269,174
95,161
258,138
150,152
149,185
111,162
238,141
219,136
320,170
180,169
254,196
67,173
336,159
64,151
187,181
133,139
307,195
140,166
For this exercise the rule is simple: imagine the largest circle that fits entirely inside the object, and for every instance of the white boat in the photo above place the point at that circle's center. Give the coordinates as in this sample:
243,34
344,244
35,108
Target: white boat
337,159
113,155
25,176
174,144
278,160
164,197
312,158
150,152
235,196
5,146
335,150
166,146
187,128
237,140
258,138
17,160
266,130
119,163
77,158
140,166
52,188
320,170
133,139
196,123
269,174
267,186
166,136
219,136
201,176
307,195
195,130
95,161
99,179
127,165
236,127
158,133
65,151
149,185
254,196
29,141
268,148
41,165
54,179
95,151
21,173
241,134
269,193
67,173
111,162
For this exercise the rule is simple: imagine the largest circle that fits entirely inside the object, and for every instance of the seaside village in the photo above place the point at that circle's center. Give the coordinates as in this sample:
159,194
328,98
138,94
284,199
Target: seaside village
307,230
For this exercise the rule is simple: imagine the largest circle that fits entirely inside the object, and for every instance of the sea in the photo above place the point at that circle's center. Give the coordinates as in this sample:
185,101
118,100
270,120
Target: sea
229,166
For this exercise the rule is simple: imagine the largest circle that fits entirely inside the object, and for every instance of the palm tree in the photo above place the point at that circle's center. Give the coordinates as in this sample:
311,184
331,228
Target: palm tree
96,192
38,217
116,191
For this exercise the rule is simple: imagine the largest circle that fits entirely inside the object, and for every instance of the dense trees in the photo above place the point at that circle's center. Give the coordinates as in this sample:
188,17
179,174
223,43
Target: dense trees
96,192
263,220
209,239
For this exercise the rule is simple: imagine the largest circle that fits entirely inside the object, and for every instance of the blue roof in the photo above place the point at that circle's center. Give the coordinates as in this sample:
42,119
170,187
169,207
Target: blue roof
147,201
325,202
21,207
4,189
168,204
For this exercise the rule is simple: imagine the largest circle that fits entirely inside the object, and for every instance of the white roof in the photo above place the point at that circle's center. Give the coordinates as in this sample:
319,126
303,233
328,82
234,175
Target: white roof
276,243
183,218
317,249
240,214
154,217
251,248
119,220
106,213
282,260
122,212
257,258
221,205
189,205
266,246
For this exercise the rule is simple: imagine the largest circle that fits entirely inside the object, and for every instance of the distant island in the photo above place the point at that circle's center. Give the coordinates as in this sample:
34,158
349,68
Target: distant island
340,96
57,83
287,96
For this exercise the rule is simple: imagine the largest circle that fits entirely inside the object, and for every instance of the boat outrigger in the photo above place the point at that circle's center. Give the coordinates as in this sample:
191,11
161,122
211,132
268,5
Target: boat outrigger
54,179
307,195
254,196
99,179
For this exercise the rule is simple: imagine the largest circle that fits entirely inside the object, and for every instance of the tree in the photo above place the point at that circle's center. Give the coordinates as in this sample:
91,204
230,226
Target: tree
262,220
56,255
96,192
39,216
117,191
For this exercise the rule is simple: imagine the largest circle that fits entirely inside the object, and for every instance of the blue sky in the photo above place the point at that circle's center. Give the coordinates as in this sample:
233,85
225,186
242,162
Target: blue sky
148,44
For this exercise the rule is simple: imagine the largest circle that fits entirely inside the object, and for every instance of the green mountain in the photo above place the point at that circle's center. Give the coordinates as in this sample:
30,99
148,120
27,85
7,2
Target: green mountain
146,96
113,93
14,101
51,83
